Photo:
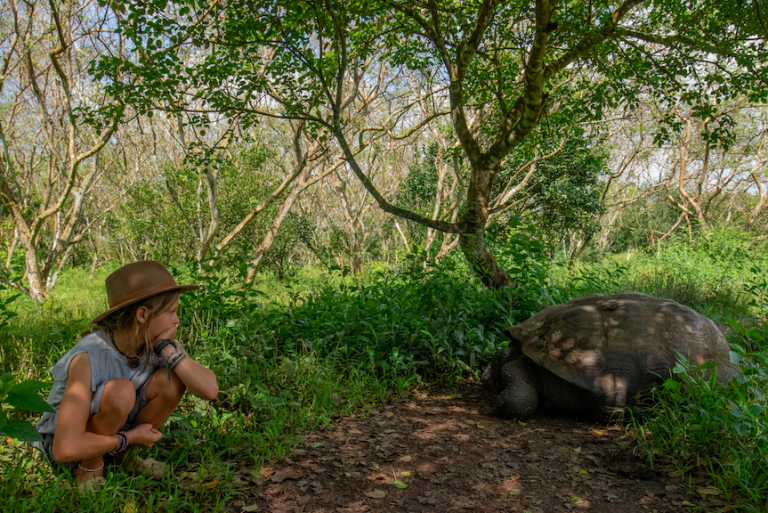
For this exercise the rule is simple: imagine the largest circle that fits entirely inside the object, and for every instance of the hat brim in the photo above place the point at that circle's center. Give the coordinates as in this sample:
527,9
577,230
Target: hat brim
180,288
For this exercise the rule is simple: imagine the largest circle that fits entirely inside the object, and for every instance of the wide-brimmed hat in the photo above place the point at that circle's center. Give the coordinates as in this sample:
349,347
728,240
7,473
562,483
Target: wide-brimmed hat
139,280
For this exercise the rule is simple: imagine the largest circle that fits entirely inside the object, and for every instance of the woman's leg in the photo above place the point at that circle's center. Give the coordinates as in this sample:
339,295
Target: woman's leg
163,394
115,405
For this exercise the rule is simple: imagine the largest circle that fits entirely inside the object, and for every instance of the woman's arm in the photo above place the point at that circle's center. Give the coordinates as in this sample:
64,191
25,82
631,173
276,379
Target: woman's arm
71,440
199,380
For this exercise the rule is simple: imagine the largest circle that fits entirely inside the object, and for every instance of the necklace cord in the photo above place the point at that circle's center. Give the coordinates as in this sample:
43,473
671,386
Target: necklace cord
133,361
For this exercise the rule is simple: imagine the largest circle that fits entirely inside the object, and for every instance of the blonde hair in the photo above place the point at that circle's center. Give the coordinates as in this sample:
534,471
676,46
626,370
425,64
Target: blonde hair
124,320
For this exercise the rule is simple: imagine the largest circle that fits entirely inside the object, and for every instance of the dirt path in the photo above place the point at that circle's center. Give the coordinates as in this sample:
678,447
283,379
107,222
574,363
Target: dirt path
453,455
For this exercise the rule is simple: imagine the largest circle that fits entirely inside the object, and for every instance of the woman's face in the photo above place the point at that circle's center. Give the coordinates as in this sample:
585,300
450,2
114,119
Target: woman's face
164,325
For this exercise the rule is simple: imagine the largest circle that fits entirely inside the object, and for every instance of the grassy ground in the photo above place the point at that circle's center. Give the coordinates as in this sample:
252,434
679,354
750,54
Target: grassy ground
292,356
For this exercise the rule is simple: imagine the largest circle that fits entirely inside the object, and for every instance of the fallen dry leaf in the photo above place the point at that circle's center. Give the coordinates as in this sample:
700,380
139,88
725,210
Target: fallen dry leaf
405,473
279,477
707,491
355,432
405,459
252,507
129,508
376,494
212,485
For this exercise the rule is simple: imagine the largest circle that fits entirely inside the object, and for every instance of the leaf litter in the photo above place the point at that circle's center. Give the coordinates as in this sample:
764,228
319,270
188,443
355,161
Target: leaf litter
444,450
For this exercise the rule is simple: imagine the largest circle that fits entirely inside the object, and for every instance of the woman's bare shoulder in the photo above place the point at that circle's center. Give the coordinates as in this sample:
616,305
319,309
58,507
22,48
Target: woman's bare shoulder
80,369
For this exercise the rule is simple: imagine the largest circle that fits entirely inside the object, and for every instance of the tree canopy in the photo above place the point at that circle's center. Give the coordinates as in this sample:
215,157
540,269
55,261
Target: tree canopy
494,69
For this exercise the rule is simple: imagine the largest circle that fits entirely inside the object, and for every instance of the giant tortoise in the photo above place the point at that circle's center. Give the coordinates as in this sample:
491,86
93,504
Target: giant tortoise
597,354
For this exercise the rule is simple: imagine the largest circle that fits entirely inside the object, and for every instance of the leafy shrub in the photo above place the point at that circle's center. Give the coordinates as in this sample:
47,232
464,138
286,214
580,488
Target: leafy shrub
21,396
694,422
436,325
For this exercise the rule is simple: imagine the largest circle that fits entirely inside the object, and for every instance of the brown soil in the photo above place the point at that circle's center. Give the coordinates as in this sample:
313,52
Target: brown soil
452,454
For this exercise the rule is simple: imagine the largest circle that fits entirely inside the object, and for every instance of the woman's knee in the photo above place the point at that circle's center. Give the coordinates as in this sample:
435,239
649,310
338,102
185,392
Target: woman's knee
168,386
119,396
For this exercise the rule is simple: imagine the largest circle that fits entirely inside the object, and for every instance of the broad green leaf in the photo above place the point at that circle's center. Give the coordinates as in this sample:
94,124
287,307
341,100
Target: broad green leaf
742,428
22,431
25,386
677,397
672,384
29,401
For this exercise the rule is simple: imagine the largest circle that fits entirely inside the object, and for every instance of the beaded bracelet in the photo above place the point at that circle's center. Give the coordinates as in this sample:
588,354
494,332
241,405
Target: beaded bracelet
122,443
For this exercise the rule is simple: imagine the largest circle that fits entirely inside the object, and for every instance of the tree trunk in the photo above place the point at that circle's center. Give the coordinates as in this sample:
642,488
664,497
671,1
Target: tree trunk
269,238
479,256
94,263
36,289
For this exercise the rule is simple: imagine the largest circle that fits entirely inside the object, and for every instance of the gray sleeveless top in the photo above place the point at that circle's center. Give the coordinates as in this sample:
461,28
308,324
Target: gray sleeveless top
106,364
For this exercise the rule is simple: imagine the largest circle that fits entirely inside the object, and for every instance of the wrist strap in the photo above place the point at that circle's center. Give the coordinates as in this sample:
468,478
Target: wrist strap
172,357
161,345
173,363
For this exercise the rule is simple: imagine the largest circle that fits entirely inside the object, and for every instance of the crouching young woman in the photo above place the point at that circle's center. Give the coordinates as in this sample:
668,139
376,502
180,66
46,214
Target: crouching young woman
122,381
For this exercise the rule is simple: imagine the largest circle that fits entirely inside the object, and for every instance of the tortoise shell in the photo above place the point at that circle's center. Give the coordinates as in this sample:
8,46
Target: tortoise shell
620,345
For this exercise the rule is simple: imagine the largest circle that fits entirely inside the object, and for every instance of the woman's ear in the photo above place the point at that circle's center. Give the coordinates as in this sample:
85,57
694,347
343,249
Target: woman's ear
142,314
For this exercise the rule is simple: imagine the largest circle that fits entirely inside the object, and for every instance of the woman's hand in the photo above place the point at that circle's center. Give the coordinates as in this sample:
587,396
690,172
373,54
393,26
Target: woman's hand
144,435
169,333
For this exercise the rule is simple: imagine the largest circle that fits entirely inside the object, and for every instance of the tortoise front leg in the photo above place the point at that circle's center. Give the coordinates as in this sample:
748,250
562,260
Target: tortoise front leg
520,396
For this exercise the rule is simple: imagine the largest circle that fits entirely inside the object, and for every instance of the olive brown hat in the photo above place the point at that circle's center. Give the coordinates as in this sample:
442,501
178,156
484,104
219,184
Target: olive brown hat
139,280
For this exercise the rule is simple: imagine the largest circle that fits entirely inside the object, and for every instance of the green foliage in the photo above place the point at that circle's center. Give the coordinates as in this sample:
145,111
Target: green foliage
431,326
756,287
694,422
20,396
564,194
525,257
295,232
169,211
5,312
